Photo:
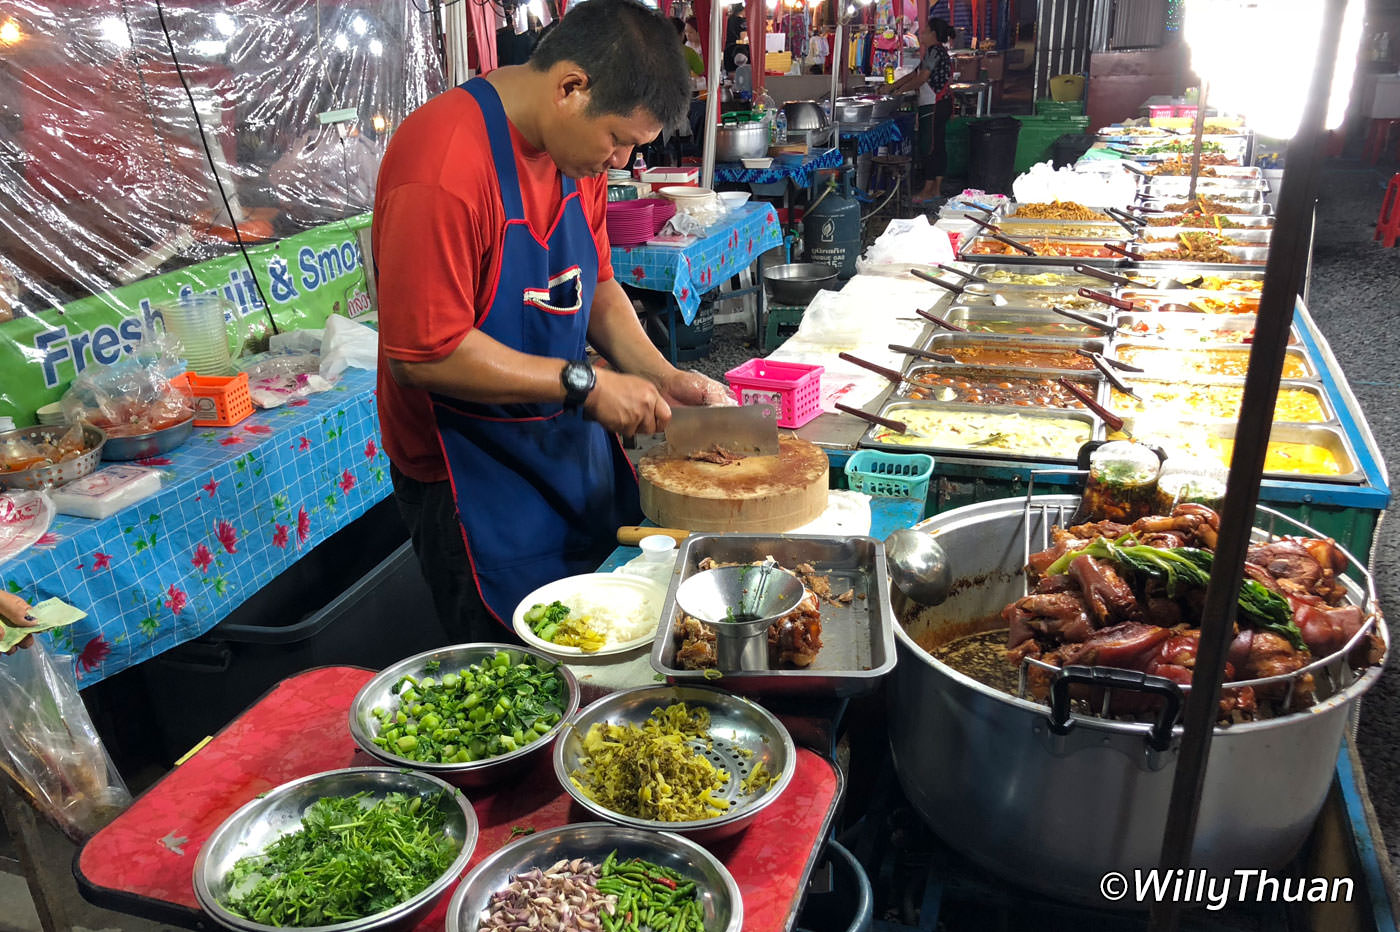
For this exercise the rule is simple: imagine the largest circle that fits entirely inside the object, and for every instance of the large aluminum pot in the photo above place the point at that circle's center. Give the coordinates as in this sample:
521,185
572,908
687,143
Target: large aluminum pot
882,106
735,141
854,109
1057,813
805,115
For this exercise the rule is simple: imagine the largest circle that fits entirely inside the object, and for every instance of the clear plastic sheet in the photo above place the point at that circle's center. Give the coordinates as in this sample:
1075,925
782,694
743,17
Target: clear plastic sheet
104,176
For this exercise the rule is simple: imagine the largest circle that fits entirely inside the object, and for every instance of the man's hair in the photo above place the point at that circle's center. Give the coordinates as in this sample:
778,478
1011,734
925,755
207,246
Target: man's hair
942,30
631,55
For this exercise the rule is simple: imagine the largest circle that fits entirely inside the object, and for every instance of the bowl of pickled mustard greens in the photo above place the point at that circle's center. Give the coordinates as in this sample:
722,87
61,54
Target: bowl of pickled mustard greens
598,877
470,714
364,848
686,759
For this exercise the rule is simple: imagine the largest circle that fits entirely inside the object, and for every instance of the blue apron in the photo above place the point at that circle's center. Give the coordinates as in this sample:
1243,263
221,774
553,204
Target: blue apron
540,491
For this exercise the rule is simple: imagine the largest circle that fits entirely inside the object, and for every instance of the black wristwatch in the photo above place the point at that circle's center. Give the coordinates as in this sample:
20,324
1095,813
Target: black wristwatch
578,378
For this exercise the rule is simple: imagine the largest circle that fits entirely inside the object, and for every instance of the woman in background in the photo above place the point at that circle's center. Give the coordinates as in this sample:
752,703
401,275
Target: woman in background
932,77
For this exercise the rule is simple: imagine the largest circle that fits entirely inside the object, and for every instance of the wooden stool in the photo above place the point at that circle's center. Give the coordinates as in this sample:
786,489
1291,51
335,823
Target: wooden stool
1378,139
1388,224
893,172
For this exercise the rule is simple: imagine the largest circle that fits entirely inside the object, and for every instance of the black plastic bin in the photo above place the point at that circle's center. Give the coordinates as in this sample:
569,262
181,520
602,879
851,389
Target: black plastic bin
992,153
357,599
843,903
1068,148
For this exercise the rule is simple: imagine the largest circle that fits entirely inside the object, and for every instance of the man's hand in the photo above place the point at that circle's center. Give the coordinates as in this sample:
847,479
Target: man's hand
694,389
16,613
627,404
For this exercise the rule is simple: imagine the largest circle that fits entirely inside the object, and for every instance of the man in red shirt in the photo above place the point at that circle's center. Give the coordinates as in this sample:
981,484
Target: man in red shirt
494,273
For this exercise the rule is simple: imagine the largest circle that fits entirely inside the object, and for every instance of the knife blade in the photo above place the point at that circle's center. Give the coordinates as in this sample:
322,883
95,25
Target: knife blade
744,430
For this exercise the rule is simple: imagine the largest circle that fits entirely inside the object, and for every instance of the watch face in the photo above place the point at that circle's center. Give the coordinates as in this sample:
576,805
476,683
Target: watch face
578,377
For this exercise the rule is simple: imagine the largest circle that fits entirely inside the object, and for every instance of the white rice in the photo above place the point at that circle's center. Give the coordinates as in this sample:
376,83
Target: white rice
627,614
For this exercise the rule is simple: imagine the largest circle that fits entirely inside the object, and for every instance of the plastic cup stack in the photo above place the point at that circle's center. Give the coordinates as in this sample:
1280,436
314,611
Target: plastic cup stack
197,322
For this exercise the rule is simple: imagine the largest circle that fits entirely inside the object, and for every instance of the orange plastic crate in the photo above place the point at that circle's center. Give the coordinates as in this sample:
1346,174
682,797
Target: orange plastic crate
220,401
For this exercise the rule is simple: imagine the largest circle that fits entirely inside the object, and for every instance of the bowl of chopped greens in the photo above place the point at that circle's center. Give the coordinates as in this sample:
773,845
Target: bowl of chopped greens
598,875
593,615
688,759
471,714
364,848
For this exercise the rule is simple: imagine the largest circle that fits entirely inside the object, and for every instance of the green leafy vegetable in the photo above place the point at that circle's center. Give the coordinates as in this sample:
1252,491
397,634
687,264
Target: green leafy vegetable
518,830
1184,568
492,707
347,861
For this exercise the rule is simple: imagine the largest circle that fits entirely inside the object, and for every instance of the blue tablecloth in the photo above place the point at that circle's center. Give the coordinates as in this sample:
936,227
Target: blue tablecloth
689,272
884,133
238,506
799,173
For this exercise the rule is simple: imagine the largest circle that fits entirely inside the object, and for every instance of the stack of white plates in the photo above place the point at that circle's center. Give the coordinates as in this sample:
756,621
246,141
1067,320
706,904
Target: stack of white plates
50,414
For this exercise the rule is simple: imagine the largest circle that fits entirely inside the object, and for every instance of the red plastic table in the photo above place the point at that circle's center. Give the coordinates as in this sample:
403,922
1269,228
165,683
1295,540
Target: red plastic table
143,862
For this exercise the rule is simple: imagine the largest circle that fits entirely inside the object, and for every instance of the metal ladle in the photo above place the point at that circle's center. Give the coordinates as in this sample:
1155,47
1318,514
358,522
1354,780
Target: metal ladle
918,566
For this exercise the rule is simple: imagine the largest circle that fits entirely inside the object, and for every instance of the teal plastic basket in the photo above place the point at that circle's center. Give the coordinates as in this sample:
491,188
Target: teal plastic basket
892,475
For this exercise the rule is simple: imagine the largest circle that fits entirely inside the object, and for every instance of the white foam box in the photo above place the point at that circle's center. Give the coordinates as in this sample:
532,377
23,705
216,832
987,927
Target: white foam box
662,175
106,491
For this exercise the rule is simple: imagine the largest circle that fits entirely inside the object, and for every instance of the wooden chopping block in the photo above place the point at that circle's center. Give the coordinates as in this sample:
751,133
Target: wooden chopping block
758,494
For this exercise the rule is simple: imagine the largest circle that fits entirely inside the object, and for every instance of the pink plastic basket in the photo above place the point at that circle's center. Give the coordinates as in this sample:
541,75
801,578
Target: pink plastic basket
795,388
1188,112
1160,110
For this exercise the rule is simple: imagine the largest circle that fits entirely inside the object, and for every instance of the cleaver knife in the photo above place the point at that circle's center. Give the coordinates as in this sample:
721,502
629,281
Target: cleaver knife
745,430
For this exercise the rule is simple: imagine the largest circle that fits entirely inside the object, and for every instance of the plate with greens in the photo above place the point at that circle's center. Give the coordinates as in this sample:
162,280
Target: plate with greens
362,848
592,615
471,714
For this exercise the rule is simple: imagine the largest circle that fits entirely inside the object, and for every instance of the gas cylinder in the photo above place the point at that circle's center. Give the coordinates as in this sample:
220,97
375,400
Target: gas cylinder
831,227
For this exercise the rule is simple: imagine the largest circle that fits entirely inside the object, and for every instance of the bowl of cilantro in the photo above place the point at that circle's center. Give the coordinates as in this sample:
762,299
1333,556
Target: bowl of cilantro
328,852
472,714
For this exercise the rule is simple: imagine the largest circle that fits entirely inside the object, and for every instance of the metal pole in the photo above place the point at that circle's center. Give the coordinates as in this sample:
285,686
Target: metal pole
707,170
1196,141
838,58
1288,256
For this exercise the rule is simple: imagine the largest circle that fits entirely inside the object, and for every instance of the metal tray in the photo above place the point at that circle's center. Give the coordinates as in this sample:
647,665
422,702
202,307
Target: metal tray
1072,279
1185,271
1073,229
1263,236
1089,381
1018,258
1252,221
1326,436
1247,255
962,412
1158,299
942,342
1030,297
1251,205
1023,321
857,639
1178,328
1146,360
1127,407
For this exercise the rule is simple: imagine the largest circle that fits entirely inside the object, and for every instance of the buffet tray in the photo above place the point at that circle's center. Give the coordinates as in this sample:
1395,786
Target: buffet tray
1247,255
1260,235
1146,360
857,639
993,270
1157,299
1089,381
1029,297
1178,328
1185,271
953,412
1252,221
1126,408
1014,319
1072,229
941,342
1329,437
966,254
1252,205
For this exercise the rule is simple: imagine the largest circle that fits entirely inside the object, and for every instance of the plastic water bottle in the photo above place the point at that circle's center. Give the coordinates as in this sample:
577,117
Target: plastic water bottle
780,128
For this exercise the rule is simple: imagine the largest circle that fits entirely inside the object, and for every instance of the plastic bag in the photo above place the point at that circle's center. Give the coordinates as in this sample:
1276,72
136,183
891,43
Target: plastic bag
50,748
135,395
276,380
347,343
905,244
24,518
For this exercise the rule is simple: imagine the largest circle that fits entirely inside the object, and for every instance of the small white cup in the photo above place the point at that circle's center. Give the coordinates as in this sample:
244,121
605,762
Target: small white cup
657,547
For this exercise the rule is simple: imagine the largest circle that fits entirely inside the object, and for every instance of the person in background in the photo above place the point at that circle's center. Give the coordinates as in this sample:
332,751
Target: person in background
16,614
933,77
692,52
490,239
734,25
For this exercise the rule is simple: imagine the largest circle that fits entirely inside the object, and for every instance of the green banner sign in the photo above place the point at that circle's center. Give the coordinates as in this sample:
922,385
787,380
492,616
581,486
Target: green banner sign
306,277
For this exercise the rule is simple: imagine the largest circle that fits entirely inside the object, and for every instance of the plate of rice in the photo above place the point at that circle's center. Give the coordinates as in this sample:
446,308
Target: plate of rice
592,615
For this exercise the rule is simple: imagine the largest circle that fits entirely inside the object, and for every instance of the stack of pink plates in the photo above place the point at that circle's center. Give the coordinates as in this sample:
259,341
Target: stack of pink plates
630,223
663,209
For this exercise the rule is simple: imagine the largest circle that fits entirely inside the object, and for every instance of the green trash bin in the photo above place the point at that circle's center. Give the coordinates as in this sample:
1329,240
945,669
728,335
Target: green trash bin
955,137
1038,136
1047,106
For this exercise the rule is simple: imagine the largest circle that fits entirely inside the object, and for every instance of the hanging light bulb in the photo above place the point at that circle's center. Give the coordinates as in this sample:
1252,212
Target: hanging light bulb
10,33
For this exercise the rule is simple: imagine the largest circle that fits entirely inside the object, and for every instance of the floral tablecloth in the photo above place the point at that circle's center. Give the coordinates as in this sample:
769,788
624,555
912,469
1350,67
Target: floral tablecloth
799,173
884,133
687,273
237,506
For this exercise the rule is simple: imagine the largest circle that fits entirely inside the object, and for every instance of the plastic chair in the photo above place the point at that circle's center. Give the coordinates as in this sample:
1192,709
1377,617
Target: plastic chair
1388,225
1378,139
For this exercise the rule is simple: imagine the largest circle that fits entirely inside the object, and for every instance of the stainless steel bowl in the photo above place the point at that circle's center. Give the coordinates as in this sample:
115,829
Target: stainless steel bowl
742,735
735,141
263,820
854,110
805,115
39,478
154,443
797,283
719,894
377,694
